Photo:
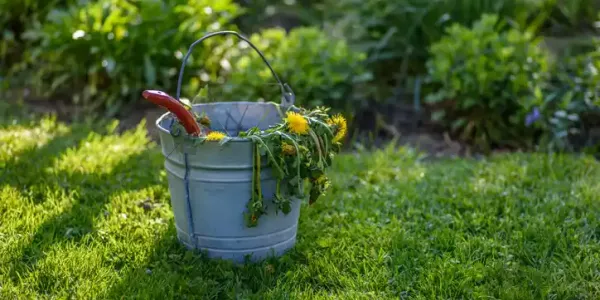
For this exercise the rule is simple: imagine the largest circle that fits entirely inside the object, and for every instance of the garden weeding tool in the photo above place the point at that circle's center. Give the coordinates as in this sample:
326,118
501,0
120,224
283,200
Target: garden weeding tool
183,115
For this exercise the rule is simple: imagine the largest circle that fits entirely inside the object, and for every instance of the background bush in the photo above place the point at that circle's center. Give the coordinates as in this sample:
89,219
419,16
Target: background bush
348,54
320,70
570,109
15,18
105,53
491,75
261,14
568,16
396,34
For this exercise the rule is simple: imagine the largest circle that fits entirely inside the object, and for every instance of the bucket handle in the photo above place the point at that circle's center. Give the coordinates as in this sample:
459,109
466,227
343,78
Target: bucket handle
288,95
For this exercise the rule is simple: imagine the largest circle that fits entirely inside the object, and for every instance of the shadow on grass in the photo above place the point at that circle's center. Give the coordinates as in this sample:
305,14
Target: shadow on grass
31,173
172,271
454,240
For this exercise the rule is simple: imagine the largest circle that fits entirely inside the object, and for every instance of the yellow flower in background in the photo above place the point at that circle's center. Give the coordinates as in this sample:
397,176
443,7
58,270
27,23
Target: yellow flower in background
215,136
288,149
296,123
341,127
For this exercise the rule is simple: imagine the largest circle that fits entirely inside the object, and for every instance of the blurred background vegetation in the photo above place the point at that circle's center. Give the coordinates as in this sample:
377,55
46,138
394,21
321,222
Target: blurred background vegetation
510,74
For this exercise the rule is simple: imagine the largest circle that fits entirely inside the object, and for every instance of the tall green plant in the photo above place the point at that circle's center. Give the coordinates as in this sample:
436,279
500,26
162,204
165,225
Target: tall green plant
571,15
489,76
570,108
106,52
260,14
15,18
320,70
396,34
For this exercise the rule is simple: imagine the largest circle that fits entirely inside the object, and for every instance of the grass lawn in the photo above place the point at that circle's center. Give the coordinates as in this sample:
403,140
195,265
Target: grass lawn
84,213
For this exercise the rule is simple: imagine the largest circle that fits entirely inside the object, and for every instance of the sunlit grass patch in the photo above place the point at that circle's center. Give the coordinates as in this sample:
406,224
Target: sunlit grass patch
85,213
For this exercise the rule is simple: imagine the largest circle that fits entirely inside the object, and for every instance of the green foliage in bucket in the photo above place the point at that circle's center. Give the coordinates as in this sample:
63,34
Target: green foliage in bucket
299,149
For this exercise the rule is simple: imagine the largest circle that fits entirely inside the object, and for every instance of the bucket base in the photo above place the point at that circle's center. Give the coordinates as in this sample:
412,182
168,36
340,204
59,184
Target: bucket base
239,256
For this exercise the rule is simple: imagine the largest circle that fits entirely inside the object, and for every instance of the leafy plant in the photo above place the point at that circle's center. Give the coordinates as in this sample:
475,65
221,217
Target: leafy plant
489,76
106,52
396,34
319,69
571,105
259,14
569,15
15,17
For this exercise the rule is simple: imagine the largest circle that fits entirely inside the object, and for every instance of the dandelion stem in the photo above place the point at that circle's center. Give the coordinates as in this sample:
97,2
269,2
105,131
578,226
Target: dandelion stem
258,185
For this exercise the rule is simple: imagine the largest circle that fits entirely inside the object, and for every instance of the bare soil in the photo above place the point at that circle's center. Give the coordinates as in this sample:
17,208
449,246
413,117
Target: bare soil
376,127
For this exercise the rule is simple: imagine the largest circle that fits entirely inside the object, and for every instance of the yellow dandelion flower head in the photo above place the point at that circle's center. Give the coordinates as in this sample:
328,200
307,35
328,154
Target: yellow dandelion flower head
296,123
341,127
215,136
288,149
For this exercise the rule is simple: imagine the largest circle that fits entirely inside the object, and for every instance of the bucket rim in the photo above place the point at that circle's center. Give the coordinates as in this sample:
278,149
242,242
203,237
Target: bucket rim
231,138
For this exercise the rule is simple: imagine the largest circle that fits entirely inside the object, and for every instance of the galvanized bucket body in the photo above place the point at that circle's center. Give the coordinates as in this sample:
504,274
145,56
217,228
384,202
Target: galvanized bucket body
211,184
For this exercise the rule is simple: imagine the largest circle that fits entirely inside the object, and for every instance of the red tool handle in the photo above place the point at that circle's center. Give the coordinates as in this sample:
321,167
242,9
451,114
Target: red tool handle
185,117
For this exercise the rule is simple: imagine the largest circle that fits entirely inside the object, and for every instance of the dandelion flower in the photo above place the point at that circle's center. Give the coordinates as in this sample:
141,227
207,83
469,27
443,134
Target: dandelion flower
215,136
296,123
341,127
288,149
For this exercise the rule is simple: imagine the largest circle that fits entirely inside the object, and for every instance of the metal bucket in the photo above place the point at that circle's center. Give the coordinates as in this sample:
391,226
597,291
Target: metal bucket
210,184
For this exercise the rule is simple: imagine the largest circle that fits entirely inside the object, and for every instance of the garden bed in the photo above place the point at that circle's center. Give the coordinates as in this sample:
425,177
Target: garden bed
378,126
